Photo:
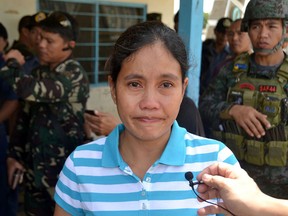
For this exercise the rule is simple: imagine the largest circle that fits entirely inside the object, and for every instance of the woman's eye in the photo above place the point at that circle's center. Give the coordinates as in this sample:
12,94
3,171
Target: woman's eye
134,84
167,85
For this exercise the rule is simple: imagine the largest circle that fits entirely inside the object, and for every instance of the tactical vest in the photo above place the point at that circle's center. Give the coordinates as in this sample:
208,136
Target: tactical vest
268,97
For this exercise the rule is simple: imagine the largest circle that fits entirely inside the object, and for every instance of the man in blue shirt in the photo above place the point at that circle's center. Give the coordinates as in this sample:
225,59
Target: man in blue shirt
8,105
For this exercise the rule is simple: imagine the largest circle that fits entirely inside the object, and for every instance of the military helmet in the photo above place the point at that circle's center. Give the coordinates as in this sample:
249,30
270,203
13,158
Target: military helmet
263,9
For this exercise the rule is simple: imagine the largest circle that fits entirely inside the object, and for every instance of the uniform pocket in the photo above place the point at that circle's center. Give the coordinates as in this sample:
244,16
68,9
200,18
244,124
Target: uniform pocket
255,152
277,153
236,144
270,106
218,135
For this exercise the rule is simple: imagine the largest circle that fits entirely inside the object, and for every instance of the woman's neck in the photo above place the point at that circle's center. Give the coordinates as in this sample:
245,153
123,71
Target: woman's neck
140,155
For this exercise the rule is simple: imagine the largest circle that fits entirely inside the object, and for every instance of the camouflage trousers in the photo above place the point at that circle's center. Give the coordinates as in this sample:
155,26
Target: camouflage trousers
37,201
273,181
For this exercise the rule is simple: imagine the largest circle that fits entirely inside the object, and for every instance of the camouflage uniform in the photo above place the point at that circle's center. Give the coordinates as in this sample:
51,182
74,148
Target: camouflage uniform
271,81
49,126
272,180
31,61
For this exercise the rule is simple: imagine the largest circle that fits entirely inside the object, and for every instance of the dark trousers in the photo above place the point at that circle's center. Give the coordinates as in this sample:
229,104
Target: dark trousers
8,197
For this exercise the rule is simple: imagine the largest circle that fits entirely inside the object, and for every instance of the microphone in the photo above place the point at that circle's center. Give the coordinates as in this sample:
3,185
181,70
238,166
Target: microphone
189,177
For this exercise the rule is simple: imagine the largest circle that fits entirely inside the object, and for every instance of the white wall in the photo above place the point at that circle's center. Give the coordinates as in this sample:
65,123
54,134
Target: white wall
11,12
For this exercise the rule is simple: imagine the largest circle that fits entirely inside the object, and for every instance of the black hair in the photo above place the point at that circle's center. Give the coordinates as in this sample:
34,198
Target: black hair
4,35
24,22
61,23
142,34
3,32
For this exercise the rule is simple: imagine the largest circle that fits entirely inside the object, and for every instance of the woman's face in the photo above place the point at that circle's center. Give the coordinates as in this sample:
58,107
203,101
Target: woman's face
148,93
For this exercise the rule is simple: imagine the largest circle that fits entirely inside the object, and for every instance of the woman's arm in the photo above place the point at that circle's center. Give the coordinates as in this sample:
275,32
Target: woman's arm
60,212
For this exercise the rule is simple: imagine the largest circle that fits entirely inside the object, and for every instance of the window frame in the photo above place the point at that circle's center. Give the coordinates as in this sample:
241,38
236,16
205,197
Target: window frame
97,30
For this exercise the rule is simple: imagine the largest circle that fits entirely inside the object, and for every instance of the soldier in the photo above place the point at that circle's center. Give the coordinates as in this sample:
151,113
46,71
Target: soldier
50,125
25,43
214,51
8,105
35,30
239,43
247,104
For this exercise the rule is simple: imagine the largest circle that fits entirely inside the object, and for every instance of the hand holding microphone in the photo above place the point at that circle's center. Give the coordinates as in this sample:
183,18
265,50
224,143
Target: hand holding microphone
189,177
231,184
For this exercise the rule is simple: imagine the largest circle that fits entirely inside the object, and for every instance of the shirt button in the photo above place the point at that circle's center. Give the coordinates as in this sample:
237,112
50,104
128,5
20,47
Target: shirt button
144,206
143,193
148,179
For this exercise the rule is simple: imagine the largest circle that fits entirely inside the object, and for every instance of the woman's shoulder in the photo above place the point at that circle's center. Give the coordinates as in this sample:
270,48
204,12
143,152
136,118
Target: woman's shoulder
94,145
200,140
195,141
197,145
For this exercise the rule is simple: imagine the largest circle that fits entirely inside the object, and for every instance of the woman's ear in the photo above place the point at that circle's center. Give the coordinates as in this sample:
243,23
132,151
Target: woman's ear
185,84
112,88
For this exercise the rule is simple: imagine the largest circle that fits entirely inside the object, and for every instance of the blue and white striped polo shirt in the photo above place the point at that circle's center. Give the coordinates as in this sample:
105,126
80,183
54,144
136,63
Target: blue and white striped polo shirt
96,181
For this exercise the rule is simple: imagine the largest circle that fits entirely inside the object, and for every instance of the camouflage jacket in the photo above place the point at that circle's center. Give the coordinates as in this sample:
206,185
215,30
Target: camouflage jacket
50,125
272,180
31,60
214,99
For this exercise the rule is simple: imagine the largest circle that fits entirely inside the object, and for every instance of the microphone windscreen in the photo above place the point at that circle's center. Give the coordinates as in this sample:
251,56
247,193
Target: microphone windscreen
189,176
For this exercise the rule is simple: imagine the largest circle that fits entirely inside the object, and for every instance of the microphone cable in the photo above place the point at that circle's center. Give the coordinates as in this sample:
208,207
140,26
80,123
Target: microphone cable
189,177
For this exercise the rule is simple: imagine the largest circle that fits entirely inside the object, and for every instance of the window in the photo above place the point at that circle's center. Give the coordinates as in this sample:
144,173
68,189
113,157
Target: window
101,23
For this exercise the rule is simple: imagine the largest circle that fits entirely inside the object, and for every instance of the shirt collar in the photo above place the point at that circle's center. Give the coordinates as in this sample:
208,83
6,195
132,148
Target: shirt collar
174,153
260,71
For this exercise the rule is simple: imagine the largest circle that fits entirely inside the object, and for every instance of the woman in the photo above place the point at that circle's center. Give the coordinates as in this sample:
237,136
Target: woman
140,166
